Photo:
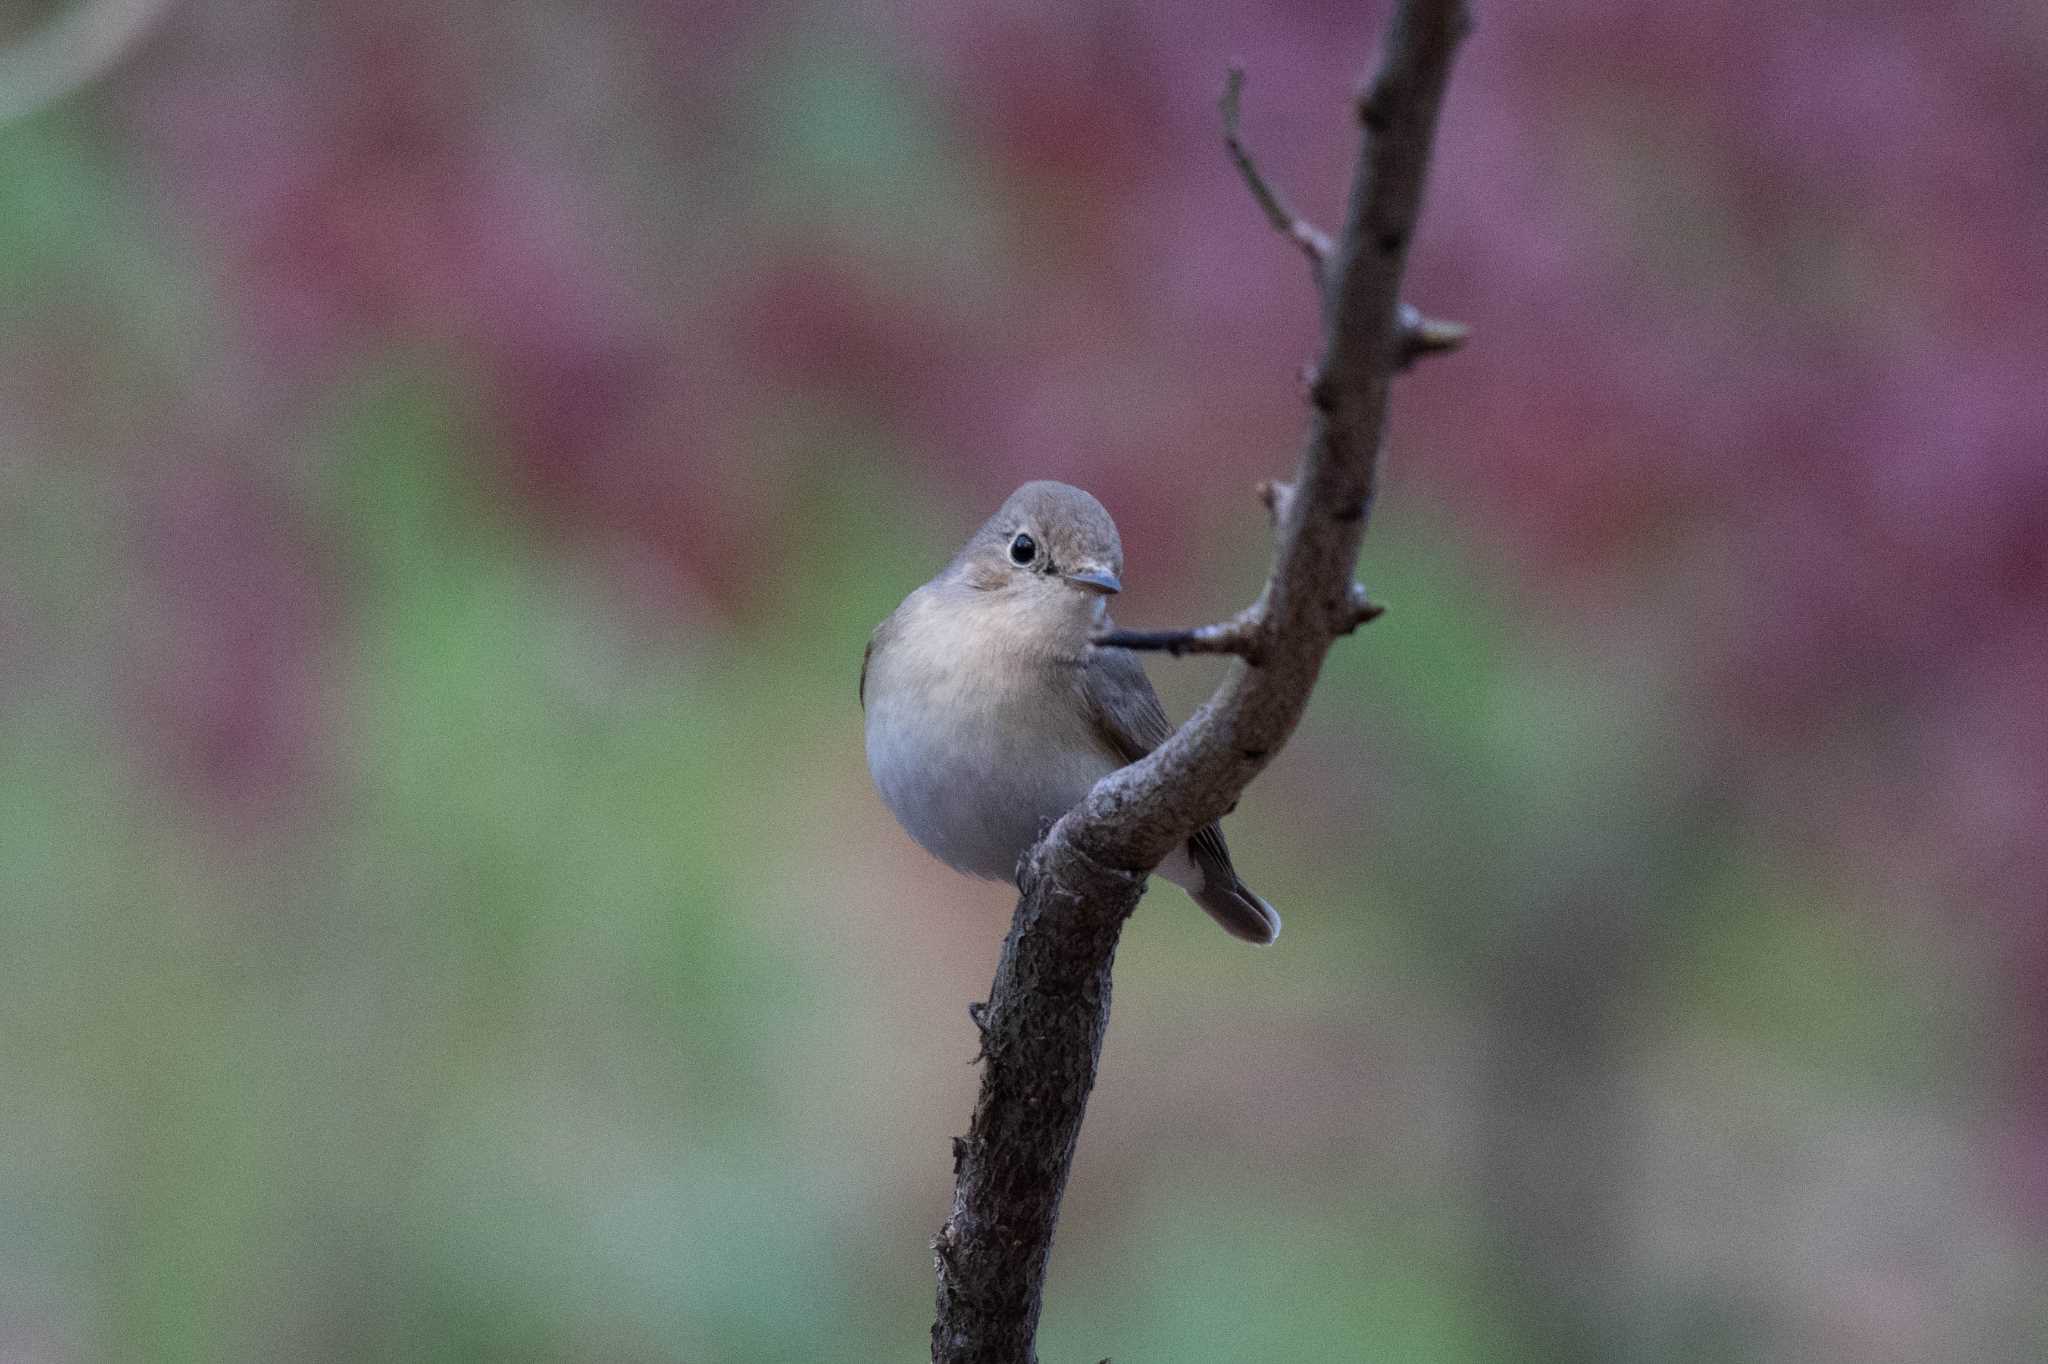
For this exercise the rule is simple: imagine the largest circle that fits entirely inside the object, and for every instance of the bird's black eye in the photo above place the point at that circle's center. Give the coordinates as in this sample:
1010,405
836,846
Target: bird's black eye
1023,549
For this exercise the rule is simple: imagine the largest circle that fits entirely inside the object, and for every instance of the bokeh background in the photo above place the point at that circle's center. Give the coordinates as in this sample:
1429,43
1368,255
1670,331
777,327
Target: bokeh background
451,455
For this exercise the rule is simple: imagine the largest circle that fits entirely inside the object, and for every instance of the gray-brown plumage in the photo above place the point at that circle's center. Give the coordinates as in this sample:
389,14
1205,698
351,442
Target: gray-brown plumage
989,714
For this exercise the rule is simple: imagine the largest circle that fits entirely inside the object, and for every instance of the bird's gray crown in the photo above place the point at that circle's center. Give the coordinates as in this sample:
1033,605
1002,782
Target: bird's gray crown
1071,528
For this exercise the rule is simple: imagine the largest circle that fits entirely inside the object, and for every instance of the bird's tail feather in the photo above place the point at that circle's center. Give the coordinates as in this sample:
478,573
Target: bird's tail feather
1243,915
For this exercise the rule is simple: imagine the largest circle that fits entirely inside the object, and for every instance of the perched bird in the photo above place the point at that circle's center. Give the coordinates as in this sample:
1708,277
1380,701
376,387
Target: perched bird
989,714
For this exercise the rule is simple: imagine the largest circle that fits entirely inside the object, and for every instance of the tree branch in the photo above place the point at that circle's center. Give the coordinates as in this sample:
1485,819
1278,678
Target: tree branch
1049,1006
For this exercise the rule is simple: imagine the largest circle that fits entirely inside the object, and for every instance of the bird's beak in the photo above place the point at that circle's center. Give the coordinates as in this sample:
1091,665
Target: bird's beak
1096,580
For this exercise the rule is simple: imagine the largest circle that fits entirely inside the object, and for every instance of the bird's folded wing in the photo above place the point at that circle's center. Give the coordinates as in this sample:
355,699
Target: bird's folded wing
1131,723
1122,706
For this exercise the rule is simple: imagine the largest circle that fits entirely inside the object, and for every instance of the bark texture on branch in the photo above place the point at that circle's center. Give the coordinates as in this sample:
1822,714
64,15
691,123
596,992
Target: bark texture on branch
1048,1009
1042,1032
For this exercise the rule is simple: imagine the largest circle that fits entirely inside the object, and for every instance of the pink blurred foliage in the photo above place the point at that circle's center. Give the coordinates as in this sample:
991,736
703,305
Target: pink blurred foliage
235,631
357,181
820,325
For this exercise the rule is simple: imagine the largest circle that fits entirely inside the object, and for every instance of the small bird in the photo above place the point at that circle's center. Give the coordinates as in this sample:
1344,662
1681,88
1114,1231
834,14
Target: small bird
990,715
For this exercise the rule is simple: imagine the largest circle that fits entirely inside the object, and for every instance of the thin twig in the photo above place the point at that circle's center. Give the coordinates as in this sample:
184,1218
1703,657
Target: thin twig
1313,241
1049,1006
1226,637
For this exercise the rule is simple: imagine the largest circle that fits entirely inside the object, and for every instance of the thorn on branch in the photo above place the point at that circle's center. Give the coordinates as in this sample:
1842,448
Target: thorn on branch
1313,241
1358,610
1239,635
1420,336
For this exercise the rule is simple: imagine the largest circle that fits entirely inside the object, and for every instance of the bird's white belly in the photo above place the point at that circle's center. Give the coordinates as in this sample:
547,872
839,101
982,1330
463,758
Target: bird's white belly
976,774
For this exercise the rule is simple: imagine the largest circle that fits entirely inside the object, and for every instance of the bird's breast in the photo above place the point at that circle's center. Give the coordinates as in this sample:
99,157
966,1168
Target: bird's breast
975,739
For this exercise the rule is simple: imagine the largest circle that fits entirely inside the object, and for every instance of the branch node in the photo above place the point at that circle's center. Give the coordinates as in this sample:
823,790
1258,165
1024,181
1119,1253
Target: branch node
1322,394
1380,101
1277,497
1372,111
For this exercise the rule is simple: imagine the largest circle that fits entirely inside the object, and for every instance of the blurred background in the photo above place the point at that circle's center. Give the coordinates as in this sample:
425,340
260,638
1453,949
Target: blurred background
451,456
